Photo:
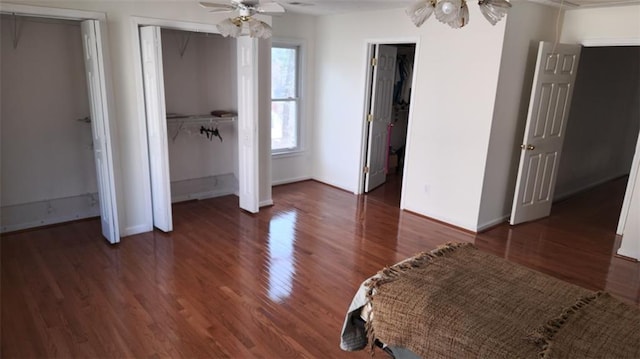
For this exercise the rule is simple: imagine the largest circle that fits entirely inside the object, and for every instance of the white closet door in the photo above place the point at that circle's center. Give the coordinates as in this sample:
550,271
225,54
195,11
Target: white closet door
96,85
248,124
151,45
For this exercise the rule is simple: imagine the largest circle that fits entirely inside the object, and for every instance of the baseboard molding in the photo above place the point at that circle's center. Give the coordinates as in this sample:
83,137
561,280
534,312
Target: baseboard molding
575,191
448,223
290,180
266,203
490,224
137,229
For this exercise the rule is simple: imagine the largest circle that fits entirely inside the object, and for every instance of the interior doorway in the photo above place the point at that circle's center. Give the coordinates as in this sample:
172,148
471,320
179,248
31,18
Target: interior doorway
603,126
56,144
387,112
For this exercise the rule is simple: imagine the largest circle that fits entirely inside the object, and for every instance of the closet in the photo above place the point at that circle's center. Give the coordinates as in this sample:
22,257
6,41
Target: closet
48,167
400,108
199,71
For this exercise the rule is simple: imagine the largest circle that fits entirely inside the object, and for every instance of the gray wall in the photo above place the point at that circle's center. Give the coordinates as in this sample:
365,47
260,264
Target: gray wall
604,120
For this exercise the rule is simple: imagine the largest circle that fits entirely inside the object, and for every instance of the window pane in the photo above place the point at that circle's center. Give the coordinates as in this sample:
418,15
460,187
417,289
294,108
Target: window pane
283,72
284,125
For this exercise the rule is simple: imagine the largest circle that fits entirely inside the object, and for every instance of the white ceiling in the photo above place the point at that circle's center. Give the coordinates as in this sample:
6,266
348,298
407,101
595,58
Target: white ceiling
325,7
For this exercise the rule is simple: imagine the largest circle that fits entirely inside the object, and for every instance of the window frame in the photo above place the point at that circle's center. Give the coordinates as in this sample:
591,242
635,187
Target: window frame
298,46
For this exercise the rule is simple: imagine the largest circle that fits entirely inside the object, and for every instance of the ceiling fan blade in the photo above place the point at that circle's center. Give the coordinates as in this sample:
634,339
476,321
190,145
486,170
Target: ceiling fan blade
217,7
269,7
220,10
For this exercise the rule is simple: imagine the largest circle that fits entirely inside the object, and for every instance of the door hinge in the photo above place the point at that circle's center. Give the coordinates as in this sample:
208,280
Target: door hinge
370,117
365,169
374,61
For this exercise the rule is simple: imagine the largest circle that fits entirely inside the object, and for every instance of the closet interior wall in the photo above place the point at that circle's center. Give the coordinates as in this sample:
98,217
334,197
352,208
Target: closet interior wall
48,173
200,77
401,101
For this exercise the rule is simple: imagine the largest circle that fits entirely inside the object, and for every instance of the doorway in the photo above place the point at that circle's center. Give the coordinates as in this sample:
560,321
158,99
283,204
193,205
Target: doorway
603,124
56,148
387,112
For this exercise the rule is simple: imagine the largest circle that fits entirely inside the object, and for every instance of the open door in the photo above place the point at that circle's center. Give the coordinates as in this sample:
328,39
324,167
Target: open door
151,48
379,116
96,84
553,84
248,184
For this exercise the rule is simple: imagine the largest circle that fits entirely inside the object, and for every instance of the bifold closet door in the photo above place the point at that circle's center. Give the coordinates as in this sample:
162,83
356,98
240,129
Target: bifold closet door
96,84
151,47
248,169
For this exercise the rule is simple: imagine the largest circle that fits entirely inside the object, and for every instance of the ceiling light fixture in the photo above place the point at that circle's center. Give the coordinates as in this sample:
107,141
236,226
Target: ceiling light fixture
234,27
455,13
244,23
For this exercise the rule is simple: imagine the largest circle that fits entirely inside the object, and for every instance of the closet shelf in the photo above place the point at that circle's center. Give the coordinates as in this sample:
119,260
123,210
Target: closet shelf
199,119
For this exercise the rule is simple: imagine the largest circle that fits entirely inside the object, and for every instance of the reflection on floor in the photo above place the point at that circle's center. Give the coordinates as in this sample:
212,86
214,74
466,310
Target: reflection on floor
389,192
229,284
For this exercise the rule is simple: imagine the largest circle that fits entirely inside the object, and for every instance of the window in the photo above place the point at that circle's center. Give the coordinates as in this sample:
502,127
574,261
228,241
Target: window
285,98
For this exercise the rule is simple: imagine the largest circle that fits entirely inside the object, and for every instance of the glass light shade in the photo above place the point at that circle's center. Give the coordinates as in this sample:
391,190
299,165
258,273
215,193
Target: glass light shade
228,27
420,11
259,29
494,10
447,10
463,17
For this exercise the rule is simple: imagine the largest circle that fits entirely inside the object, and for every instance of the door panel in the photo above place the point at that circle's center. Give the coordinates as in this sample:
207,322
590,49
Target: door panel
151,47
553,84
101,136
248,170
381,110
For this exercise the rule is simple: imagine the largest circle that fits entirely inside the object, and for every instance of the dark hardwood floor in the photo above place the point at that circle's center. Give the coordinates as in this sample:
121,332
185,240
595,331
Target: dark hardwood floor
277,284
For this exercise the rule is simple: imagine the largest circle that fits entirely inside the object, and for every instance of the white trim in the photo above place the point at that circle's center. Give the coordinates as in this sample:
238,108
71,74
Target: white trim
494,222
290,180
137,229
628,194
266,203
52,12
633,41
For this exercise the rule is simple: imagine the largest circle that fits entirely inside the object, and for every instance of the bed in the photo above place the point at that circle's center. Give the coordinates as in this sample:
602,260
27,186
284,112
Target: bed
459,302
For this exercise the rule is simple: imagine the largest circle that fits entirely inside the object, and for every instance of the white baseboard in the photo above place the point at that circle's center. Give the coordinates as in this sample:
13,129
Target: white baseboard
290,180
494,222
137,229
265,203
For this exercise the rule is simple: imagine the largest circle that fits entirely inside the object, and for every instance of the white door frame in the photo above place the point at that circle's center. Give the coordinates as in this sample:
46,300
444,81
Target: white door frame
367,76
101,18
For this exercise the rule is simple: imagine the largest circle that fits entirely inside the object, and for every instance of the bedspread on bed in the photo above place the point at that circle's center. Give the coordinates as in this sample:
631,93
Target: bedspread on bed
458,302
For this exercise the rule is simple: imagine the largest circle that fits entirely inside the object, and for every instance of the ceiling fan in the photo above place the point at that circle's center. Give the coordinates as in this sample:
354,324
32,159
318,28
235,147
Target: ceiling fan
246,9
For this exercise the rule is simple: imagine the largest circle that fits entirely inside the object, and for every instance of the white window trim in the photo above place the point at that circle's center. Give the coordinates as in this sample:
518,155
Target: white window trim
300,45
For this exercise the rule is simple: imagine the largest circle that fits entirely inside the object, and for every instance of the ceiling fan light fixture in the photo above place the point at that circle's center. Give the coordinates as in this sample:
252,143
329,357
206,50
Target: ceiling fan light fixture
463,17
448,10
455,13
230,27
494,10
259,29
420,11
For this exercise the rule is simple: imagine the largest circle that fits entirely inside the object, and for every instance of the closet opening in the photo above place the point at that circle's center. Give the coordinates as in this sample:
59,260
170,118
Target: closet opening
56,163
387,109
190,86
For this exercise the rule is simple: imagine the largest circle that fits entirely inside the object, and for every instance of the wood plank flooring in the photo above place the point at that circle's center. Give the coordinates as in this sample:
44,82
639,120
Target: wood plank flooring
227,284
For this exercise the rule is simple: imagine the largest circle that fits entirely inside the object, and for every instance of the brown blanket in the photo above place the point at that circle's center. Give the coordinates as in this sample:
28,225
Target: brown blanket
458,302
